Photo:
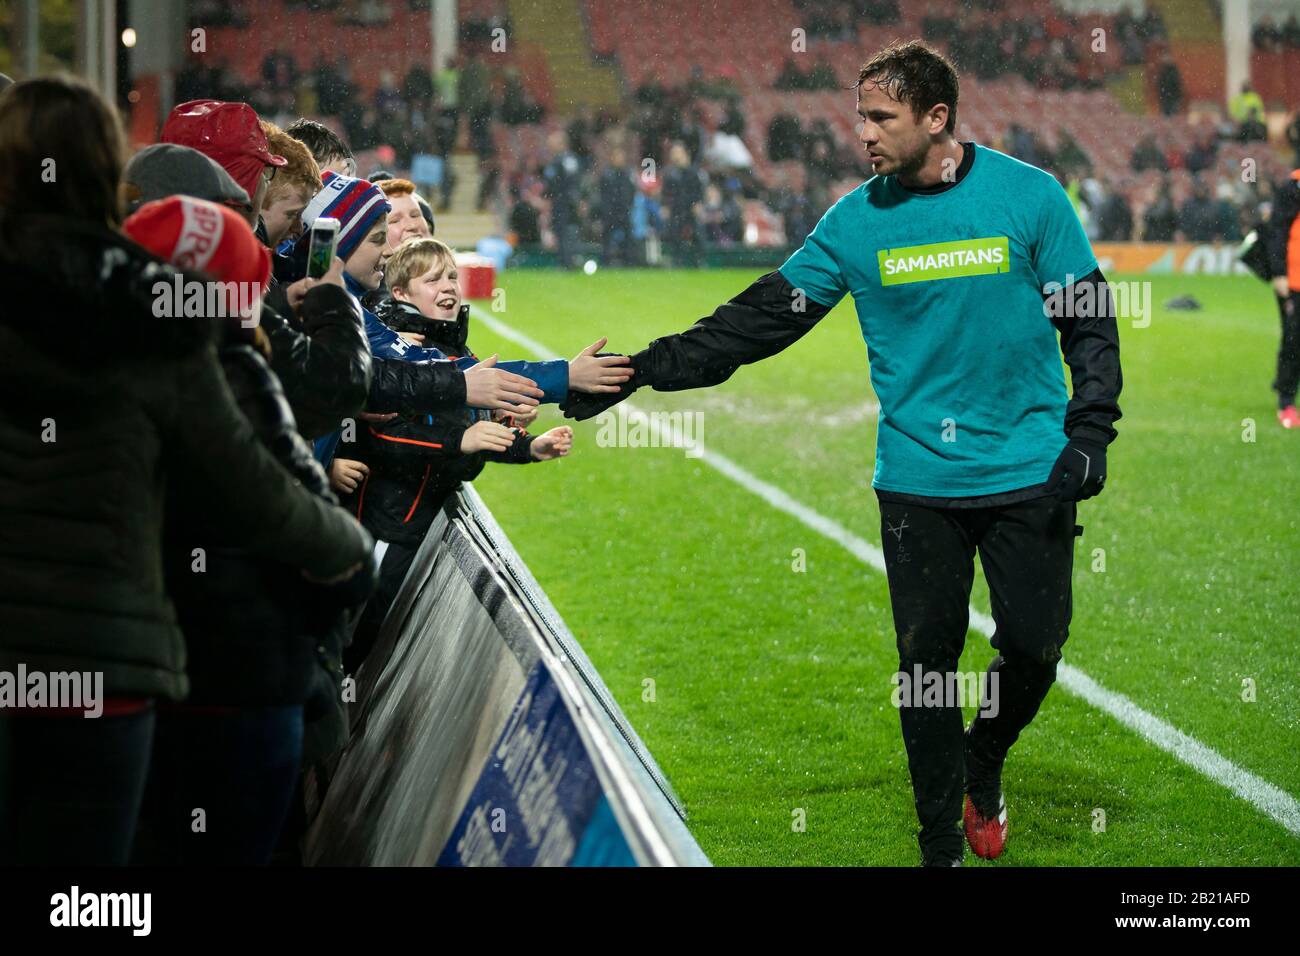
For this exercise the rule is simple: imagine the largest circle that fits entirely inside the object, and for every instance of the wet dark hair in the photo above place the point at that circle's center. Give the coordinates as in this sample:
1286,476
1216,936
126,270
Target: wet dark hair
321,141
62,150
914,74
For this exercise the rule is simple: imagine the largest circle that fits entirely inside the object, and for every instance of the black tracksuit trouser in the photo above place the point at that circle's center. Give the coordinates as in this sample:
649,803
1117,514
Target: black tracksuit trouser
1027,552
1288,350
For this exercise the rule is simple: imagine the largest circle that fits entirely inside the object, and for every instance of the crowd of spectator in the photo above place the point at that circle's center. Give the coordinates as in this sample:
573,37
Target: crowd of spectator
593,187
668,175
1268,36
1220,204
416,120
216,520
421,118
1051,52
794,77
1138,33
831,19
361,13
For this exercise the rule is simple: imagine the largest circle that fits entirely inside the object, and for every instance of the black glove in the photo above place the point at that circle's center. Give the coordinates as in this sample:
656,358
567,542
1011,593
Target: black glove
582,405
1079,472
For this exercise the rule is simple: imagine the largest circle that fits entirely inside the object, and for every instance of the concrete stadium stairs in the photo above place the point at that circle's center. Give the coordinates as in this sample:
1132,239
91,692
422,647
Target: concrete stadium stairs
461,226
1188,20
1128,86
557,26
463,230
1196,44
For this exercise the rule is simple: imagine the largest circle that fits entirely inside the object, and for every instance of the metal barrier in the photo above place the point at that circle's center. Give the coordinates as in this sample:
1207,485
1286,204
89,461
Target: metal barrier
482,734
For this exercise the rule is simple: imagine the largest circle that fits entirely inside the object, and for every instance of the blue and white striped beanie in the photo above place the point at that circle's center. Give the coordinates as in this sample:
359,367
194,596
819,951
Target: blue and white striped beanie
356,203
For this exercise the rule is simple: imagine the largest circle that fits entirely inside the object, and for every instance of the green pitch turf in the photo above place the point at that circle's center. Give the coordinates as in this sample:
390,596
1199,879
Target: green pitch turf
764,693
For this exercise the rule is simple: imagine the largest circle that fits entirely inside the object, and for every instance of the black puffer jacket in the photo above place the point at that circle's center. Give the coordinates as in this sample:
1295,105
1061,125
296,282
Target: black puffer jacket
415,461
324,360
409,388
101,404
256,631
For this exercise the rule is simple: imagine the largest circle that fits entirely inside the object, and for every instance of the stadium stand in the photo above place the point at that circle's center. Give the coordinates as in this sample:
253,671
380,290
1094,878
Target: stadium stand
1035,84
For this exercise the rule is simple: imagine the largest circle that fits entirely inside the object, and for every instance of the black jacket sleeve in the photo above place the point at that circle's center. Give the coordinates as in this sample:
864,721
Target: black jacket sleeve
403,440
415,388
1090,343
1286,206
260,396
761,321
325,365
210,447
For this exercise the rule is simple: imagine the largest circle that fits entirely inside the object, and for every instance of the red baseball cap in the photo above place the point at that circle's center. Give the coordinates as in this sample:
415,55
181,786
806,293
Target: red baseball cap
203,239
226,132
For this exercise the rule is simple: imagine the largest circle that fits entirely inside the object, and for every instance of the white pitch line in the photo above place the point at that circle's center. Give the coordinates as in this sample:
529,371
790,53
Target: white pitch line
1264,796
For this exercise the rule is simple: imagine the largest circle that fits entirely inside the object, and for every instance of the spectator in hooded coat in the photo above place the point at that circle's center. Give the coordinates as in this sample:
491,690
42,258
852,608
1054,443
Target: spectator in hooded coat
261,642
102,405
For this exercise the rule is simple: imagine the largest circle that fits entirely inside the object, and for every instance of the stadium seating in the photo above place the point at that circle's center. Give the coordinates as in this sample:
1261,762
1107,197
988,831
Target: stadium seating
277,25
660,40
664,41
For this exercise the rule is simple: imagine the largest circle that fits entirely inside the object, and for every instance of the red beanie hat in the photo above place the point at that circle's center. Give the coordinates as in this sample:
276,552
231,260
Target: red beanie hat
202,240
226,132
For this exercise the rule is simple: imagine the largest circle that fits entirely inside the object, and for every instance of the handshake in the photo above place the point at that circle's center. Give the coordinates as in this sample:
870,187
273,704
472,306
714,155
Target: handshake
596,377
583,403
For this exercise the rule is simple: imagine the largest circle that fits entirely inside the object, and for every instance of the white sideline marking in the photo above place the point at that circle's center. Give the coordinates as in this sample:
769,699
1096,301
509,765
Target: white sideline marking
1264,796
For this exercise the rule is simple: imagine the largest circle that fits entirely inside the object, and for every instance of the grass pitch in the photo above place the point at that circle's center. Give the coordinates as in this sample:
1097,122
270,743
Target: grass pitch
771,687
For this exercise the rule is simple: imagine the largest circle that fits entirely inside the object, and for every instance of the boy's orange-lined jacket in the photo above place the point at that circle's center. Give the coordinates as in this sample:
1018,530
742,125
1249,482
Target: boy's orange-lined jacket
415,461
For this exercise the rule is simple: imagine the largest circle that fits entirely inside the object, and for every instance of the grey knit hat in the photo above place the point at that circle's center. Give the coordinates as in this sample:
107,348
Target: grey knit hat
167,169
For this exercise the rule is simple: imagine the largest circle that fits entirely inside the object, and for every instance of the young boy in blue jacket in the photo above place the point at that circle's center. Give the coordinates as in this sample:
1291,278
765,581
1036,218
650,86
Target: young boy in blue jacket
362,209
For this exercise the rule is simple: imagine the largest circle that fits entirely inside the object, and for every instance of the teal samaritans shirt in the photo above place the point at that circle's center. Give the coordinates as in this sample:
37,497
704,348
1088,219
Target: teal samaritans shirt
949,291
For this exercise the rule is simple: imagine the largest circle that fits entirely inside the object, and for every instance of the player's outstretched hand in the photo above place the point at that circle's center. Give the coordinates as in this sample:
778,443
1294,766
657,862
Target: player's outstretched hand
594,372
1079,472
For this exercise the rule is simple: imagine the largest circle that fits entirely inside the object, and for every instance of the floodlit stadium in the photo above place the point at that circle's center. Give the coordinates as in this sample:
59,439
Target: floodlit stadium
908,394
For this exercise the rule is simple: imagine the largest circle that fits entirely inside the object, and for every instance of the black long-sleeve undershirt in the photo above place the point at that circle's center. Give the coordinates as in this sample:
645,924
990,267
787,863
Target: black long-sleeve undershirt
766,318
